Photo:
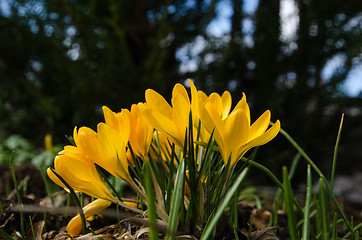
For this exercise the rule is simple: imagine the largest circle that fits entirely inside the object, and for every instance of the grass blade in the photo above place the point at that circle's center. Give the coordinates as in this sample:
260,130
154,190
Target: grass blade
5,235
335,159
151,202
177,200
353,232
211,224
278,194
250,227
334,227
314,166
323,212
32,227
306,225
289,205
22,227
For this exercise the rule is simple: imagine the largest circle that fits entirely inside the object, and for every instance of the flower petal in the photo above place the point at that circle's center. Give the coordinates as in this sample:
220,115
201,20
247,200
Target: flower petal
242,104
162,123
226,103
55,179
262,139
260,125
85,179
180,89
194,99
141,131
74,226
110,118
156,101
212,121
113,156
181,112
235,134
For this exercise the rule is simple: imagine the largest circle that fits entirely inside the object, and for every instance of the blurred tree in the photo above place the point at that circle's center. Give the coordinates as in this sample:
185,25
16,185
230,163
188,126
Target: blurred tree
60,61
286,74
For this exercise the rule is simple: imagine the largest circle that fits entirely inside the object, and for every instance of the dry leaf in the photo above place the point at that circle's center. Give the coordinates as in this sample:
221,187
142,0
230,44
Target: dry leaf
268,233
38,230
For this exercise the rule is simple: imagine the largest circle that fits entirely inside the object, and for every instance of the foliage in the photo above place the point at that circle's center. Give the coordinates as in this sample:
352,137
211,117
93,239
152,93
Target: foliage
24,152
180,159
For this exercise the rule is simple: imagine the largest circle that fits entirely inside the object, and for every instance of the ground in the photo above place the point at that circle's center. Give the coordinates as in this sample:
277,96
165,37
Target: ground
52,224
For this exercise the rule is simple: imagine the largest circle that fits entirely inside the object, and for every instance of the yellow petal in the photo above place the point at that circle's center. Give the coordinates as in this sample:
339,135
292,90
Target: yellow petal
124,125
181,114
242,104
194,99
156,101
65,165
71,151
262,139
140,131
215,99
74,226
209,116
55,179
85,179
132,204
202,97
260,125
110,118
226,103
180,89
162,123
113,156
87,141
235,134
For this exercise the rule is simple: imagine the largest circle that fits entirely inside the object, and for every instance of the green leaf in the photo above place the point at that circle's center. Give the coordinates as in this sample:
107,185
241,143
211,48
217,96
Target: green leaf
314,166
177,200
11,165
306,225
211,224
151,202
323,212
289,205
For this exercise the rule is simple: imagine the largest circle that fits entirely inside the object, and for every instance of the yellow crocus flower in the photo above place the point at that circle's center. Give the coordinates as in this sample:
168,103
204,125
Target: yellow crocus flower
222,105
112,152
80,173
117,121
74,226
141,131
233,132
48,142
106,147
172,120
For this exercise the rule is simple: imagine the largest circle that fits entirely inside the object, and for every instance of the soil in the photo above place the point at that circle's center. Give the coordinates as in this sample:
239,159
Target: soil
49,222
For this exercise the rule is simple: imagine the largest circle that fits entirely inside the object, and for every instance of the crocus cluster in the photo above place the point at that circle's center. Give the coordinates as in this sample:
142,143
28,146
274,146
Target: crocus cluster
156,125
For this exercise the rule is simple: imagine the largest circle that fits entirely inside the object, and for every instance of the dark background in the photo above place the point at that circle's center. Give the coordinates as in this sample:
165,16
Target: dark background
60,61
